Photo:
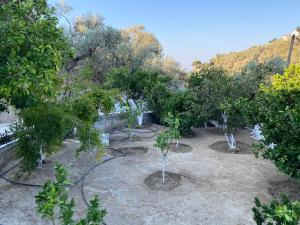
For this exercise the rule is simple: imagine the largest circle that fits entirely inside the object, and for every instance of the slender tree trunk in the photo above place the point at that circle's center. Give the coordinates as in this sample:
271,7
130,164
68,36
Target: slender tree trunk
164,168
130,138
230,141
41,156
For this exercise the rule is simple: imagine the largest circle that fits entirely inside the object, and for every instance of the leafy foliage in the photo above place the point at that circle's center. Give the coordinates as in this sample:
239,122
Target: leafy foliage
209,87
42,128
135,85
281,128
32,49
283,212
240,112
131,114
179,103
53,202
173,123
164,138
163,141
277,108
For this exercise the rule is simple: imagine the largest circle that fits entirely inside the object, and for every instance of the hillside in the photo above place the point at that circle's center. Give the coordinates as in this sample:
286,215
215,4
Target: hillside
235,60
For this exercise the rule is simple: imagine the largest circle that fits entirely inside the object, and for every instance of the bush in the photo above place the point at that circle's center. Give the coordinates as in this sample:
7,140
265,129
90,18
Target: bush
42,128
277,213
179,104
54,204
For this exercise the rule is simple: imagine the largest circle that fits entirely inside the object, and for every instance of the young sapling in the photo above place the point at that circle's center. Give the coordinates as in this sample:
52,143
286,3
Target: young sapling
53,202
163,141
131,114
173,123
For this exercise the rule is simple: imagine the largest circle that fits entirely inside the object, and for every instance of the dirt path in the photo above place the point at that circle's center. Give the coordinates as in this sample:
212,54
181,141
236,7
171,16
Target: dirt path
214,188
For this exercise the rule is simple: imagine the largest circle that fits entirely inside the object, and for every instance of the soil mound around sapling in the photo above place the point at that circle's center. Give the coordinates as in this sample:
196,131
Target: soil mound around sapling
222,146
136,150
182,148
289,187
155,181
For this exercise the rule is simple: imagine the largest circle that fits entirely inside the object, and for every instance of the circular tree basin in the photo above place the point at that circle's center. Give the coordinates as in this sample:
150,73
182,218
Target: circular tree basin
182,148
155,181
136,150
288,187
222,146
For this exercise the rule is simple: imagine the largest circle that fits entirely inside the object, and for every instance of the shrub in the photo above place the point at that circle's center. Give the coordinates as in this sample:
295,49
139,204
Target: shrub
179,104
283,212
54,204
42,128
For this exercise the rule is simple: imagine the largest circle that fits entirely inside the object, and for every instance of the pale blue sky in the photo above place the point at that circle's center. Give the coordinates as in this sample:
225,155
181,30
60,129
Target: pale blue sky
191,29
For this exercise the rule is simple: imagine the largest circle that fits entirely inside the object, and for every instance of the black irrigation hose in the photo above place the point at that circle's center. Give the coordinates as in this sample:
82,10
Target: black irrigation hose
82,178
137,130
39,185
150,131
86,173
16,182
92,168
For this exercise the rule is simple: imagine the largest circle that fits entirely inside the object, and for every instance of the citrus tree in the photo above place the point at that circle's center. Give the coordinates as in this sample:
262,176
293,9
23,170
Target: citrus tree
162,142
131,114
42,128
210,86
276,107
173,123
53,202
32,51
279,113
281,211
164,139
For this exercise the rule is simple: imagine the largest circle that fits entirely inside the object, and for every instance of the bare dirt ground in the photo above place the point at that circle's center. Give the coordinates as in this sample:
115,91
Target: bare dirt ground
211,187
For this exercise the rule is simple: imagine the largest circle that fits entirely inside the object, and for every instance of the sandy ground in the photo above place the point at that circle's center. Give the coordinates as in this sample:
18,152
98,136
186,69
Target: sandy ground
215,188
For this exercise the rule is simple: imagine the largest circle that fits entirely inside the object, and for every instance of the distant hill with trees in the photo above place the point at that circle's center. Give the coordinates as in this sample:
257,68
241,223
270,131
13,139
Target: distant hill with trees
234,61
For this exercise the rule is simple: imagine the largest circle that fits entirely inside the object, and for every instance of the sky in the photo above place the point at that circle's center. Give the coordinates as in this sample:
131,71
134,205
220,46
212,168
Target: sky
198,30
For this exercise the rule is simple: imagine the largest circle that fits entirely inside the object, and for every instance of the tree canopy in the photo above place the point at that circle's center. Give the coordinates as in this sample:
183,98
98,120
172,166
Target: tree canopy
32,51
